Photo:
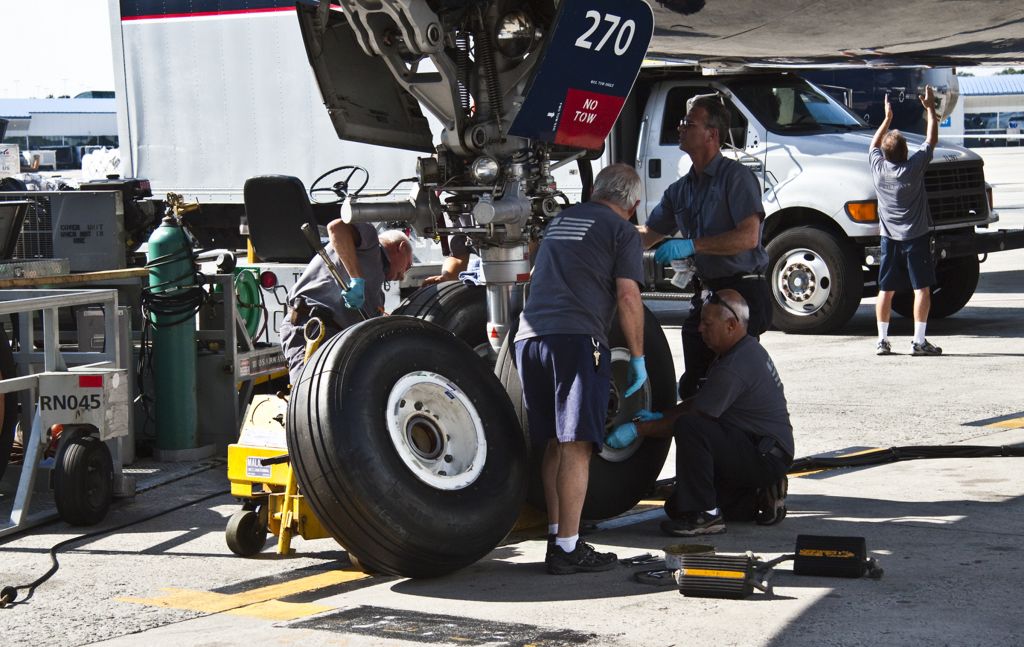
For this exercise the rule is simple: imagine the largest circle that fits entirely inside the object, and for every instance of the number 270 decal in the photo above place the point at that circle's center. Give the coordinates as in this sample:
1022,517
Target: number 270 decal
622,39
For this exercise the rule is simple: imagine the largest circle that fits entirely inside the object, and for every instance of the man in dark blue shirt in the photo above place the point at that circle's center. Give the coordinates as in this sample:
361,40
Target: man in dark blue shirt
589,263
733,438
717,208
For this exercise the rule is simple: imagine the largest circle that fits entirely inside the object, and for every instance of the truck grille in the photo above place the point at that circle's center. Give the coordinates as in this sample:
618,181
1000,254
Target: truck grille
956,192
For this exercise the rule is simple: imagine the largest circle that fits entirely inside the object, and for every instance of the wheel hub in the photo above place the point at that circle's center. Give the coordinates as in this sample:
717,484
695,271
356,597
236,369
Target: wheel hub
802,282
436,430
620,409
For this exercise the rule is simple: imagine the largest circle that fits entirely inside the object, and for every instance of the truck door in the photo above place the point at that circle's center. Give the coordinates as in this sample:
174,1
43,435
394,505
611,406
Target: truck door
660,158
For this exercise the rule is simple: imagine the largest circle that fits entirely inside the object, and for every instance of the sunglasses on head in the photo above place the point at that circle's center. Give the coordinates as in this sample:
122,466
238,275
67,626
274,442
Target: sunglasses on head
712,298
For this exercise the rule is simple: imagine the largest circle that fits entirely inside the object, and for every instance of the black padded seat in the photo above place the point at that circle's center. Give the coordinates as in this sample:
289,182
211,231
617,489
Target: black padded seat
276,206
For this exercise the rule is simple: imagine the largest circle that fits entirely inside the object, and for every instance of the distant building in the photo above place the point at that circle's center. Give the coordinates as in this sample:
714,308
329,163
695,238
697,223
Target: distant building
990,111
69,127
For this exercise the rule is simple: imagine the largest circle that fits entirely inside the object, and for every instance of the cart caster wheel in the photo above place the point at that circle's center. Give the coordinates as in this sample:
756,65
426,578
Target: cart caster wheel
246,533
83,481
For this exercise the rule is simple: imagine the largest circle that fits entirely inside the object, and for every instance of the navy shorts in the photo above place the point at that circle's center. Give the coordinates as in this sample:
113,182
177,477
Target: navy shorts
566,396
906,263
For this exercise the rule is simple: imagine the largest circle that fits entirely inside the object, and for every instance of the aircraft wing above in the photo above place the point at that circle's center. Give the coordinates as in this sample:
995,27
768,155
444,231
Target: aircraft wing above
729,33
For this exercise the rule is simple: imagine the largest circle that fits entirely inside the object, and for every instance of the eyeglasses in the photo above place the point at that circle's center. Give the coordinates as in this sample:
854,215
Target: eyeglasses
713,299
686,123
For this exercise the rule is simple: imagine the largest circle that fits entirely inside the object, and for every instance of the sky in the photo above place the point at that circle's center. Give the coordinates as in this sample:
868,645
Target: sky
62,47
54,47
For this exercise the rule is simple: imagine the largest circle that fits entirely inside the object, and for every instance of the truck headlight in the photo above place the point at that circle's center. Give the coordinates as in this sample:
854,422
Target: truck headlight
863,211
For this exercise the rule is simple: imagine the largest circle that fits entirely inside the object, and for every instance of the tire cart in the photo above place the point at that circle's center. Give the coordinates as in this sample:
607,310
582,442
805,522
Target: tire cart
261,475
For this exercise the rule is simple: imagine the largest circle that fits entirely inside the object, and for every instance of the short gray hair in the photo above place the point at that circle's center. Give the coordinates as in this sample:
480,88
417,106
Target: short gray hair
393,237
618,184
718,115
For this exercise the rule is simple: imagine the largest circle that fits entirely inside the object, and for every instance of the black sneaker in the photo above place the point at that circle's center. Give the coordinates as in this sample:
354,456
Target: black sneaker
924,349
584,559
694,523
771,503
883,348
551,545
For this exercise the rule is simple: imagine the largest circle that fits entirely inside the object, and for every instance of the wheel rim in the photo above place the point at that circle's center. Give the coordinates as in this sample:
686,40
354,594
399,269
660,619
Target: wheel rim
621,410
802,282
436,431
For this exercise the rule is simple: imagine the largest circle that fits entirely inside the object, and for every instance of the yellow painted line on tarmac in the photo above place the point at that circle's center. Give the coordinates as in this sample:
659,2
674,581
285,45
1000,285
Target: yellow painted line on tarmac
262,602
1012,423
870,450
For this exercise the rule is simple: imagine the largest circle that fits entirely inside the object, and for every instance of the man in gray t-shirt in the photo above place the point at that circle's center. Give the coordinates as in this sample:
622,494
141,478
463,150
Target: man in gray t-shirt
365,260
905,221
734,440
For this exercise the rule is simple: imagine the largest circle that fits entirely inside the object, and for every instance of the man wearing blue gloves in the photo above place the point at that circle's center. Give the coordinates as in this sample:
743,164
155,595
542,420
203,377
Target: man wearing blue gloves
367,261
717,208
589,263
734,440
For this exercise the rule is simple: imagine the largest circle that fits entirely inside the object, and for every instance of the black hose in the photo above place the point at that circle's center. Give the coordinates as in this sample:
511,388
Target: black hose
911,452
8,594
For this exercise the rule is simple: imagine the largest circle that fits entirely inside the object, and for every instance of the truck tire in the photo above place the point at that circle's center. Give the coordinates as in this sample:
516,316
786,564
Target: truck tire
619,478
8,403
956,279
456,307
406,447
816,281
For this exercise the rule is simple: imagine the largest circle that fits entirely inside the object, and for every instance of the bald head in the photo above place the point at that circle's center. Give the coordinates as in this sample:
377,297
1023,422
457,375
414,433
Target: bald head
723,320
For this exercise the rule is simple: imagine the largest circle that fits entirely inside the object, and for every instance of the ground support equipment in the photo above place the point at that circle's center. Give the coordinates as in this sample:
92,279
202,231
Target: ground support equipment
261,475
79,400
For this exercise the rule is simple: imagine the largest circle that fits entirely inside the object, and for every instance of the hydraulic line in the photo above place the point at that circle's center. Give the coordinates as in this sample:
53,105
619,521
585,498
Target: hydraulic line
911,452
9,594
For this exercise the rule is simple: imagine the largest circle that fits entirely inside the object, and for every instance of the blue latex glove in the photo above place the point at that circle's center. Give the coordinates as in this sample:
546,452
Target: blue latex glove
636,376
355,295
673,249
621,436
643,415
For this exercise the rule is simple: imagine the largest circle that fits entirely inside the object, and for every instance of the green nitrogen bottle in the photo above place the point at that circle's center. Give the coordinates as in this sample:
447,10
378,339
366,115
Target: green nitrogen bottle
171,271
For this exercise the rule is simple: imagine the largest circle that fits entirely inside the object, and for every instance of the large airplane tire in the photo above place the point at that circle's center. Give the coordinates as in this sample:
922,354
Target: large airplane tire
619,478
454,306
406,447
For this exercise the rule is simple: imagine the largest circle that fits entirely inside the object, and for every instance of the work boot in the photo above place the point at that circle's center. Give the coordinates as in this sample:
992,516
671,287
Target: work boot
584,559
694,523
924,349
771,503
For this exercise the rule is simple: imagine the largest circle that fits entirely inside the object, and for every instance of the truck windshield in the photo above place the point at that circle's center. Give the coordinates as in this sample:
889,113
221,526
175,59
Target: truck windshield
791,105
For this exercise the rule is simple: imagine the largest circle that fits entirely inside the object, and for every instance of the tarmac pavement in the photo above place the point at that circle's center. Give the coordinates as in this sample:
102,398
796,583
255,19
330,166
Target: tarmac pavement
948,532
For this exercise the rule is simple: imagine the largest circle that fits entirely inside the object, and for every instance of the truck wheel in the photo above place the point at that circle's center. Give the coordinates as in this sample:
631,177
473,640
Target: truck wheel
83,481
956,279
406,447
619,478
454,306
816,281
8,403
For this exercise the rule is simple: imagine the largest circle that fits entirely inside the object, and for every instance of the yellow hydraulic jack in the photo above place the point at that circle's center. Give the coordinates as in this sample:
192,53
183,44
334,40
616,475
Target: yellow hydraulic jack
261,474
